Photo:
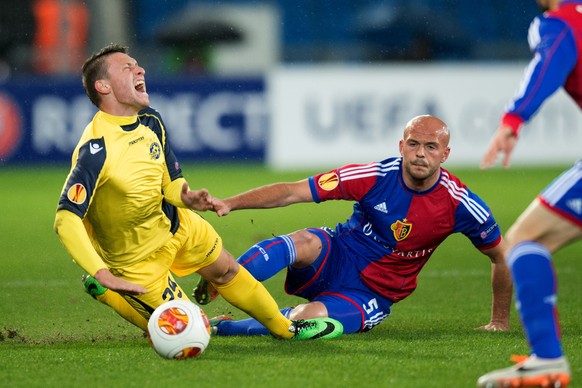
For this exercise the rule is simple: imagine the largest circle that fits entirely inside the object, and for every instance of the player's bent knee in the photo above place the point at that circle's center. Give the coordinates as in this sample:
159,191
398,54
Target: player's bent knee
221,271
303,237
309,311
307,245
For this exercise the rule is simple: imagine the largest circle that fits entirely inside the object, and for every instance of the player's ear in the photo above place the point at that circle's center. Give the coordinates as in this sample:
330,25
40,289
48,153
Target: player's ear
102,86
446,155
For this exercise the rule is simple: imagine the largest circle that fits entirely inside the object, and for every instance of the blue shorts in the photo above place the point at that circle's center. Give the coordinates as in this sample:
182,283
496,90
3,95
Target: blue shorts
564,194
334,280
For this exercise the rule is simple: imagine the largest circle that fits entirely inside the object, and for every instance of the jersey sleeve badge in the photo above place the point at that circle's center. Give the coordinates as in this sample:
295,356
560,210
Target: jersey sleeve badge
77,194
328,181
155,150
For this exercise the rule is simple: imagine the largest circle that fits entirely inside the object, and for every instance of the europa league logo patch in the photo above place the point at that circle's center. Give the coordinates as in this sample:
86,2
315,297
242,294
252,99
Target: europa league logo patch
328,181
77,193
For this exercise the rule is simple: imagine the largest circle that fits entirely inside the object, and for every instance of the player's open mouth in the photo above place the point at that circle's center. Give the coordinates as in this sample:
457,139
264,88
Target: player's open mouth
140,86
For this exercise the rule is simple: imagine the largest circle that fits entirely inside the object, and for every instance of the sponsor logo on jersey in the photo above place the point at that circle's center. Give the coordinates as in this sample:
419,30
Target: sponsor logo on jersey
328,181
381,207
10,126
575,204
155,150
136,140
414,254
213,248
401,229
77,193
94,148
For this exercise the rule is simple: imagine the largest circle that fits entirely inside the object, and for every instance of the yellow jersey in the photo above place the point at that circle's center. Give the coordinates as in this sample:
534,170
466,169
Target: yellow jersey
120,168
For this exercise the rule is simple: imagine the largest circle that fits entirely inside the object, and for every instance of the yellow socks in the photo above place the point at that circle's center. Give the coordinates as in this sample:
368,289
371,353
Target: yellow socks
123,308
249,295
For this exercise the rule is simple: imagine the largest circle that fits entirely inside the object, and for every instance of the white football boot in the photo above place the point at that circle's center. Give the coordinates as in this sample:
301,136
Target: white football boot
531,372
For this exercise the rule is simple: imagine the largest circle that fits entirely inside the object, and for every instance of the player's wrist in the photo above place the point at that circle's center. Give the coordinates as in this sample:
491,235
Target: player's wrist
513,122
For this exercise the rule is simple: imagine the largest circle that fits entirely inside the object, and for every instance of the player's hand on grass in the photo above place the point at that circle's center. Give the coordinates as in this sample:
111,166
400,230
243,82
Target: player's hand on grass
107,279
200,200
495,326
503,142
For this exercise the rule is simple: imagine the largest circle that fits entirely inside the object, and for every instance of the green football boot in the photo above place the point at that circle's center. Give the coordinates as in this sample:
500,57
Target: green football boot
316,328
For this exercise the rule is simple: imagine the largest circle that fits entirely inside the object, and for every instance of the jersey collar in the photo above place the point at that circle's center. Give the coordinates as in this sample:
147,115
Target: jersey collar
119,120
127,123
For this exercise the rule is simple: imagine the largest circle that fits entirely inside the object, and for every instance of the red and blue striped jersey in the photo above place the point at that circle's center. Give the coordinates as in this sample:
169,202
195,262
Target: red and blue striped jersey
393,230
555,38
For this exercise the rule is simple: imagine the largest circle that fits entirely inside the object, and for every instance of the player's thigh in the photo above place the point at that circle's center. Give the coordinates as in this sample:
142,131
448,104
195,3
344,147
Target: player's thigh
540,224
202,245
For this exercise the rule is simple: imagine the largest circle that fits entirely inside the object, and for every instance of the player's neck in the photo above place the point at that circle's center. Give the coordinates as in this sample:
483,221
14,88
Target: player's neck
421,184
119,109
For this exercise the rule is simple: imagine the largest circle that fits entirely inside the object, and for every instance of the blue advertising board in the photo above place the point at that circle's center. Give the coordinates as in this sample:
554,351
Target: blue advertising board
208,119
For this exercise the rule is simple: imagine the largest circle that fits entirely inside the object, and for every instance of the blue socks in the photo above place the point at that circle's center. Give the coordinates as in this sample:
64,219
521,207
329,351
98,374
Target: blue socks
266,258
249,326
535,291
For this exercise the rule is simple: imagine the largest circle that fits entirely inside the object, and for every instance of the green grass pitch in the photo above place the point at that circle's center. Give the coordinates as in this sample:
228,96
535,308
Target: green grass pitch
52,334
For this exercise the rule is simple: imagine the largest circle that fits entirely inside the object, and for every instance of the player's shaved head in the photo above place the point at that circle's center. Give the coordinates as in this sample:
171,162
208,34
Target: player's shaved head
428,123
424,146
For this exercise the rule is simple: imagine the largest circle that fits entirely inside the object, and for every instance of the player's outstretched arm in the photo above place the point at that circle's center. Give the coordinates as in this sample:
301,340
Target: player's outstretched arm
266,197
503,142
502,288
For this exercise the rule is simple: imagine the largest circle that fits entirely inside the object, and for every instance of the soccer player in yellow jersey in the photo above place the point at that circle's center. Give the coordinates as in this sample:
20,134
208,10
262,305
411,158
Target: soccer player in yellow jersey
126,215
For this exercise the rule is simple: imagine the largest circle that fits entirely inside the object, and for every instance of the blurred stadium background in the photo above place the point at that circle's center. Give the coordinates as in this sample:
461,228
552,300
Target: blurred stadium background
302,83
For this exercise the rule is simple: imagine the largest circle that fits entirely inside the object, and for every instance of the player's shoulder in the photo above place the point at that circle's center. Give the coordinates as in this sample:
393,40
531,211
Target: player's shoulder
453,183
149,111
557,20
91,153
152,119
567,9
387,166
372,170
466,201
148,115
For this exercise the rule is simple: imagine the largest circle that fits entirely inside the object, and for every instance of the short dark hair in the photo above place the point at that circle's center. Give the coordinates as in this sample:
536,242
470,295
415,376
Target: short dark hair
94,68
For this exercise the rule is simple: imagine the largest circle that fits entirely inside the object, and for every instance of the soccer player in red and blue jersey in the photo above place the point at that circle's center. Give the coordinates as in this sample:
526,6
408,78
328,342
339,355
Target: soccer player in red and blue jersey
554,218
404,208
